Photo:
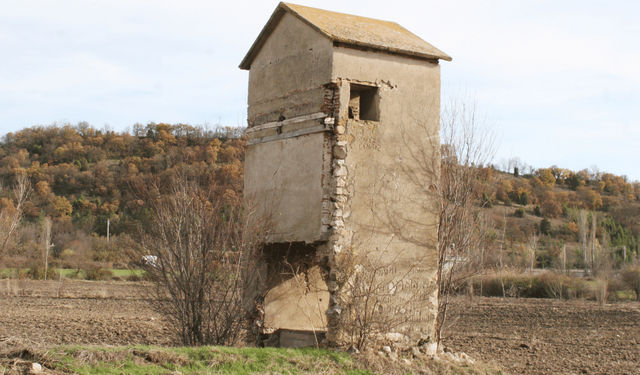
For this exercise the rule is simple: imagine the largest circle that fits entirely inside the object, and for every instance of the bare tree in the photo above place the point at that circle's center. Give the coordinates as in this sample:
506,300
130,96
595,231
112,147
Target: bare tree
594,225
468,142
10,216
630,276
504,165
448,165
502,242
46,243
196,250
583,228
517,163
533,250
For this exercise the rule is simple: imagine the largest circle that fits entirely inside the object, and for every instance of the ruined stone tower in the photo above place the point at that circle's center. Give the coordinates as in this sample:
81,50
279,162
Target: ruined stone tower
343,151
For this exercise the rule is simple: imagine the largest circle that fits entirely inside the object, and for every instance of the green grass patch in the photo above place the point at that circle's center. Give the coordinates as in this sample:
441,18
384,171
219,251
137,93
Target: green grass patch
127,273
69,273
5,272
201,360
626,295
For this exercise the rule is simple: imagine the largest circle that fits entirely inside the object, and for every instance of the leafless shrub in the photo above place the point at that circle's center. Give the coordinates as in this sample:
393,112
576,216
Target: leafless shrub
373,298
554,284
600,290
545,285
631,278
203,248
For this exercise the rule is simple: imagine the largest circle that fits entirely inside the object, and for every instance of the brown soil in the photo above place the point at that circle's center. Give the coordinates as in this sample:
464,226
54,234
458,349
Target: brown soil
541,336
522,336
102,313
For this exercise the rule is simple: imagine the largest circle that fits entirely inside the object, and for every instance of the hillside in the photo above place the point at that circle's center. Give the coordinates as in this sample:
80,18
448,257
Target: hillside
83,177
544,209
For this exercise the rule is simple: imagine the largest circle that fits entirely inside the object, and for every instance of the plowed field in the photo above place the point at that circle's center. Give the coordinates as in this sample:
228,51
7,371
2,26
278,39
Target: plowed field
522,336
103,313
541,336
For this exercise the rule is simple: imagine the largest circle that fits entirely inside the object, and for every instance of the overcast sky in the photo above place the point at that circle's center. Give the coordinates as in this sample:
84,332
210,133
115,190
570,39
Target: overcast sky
561,79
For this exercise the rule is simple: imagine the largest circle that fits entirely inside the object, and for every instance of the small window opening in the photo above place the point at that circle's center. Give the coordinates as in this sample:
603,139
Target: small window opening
364,103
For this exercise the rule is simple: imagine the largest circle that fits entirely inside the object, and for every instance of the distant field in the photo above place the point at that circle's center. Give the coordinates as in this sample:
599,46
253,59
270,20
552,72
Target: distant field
74,273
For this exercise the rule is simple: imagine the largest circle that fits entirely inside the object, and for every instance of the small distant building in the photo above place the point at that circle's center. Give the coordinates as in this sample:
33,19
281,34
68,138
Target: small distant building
343,147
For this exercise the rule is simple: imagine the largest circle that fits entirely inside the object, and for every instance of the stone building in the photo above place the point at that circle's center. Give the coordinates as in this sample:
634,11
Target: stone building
343,152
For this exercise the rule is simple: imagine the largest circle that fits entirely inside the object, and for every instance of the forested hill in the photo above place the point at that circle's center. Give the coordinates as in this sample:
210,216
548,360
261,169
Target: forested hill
561,207
82,176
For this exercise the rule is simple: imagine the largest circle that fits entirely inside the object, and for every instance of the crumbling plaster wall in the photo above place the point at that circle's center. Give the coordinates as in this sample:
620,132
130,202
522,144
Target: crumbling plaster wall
289,161
287,172
392,148
288,75
382,202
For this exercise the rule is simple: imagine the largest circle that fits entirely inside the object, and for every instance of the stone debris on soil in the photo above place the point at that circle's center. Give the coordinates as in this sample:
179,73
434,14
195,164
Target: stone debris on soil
453,357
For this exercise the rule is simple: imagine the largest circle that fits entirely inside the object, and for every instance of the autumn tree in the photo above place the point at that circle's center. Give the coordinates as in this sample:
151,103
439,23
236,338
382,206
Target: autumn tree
549,206
546,176
505,187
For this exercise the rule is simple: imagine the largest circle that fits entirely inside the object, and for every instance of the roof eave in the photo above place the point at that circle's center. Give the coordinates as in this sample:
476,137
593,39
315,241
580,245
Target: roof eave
396,51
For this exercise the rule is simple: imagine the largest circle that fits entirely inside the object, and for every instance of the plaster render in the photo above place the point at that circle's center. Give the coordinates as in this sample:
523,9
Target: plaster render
285,178
288,73
298,303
